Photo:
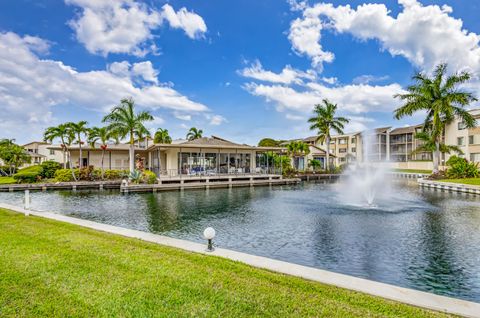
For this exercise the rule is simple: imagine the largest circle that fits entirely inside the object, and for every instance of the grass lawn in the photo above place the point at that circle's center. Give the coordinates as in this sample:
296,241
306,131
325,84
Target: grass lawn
6,180
471,181
413,171
54,269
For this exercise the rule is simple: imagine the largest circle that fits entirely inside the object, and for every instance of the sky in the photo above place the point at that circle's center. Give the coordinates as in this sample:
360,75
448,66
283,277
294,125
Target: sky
241,70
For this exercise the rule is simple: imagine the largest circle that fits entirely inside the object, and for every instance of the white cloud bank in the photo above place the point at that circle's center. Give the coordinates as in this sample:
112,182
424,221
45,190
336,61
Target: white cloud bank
425,35
126,26
288,75
30,86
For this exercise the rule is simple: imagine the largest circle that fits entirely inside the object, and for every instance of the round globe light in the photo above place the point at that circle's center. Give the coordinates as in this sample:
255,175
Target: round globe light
209,233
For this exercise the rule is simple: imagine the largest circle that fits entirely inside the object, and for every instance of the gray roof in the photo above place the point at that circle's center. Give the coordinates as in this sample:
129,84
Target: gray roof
210,141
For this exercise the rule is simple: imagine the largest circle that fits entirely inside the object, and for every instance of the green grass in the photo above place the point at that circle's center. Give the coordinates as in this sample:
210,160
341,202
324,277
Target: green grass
470,181
54,269
6,180
413,171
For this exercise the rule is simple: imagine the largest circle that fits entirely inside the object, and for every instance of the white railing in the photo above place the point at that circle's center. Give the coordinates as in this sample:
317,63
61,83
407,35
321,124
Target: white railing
171,173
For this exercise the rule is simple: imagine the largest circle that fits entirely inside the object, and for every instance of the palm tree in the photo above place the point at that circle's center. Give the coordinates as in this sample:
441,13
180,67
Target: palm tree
194,133
428,145
324,120
297,149
61,132
125,122
101,135
79,129
162,137
442,99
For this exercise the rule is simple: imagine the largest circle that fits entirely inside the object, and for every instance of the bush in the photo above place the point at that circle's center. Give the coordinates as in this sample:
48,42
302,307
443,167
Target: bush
65,175
114,174
149,177
49,169
6,170
29,174
461,168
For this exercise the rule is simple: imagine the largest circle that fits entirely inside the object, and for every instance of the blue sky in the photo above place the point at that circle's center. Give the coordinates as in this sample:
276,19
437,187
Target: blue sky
238,69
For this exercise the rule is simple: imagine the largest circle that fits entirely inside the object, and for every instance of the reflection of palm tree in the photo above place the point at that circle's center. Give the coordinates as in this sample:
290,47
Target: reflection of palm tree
194,133
442,99
125,122
324,120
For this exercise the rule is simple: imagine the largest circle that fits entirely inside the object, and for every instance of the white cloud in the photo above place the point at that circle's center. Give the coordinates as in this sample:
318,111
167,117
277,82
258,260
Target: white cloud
294,117
330,80
350,98
126,26
30,87
216,120
366,79
190,22
425,35
288,75
181,116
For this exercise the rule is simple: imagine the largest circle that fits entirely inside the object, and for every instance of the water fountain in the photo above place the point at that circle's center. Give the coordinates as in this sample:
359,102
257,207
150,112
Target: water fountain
365,183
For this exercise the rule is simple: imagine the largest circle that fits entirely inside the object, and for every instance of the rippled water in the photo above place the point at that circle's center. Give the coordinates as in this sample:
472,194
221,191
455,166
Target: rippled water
420,239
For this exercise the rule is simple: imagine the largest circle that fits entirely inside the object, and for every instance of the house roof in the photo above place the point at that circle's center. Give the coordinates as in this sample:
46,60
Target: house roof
314,150
213,142
36,142
404,130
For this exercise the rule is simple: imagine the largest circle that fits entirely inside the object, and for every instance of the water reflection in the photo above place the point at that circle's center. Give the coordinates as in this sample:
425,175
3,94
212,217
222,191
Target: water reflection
421,239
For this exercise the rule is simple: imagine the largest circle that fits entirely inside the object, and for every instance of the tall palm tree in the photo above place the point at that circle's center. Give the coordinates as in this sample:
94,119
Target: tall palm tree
194,133
442,99
61,132
324,121
79,129
429,145
101,135
162,137
125,122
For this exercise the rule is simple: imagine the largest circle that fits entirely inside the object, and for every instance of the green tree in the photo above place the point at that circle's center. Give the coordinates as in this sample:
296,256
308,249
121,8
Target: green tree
268,142
124,122
162,137
297,149
61,132
101,135
79,129
13,155
429,145
442,99
315,164
324,121
194,133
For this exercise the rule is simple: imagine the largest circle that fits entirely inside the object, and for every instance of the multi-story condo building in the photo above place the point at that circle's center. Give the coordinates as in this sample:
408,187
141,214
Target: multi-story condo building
468,140
403,145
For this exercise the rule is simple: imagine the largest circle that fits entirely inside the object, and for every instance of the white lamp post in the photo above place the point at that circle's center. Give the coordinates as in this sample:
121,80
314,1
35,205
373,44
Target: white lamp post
209,234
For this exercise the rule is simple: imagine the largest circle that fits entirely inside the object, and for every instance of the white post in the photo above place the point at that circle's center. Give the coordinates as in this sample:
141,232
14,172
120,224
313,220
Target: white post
27,202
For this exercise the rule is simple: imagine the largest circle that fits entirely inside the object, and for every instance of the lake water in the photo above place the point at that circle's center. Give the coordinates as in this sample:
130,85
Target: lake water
418,239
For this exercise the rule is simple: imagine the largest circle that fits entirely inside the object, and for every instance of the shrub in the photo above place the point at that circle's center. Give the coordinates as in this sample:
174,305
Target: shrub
288,172
135,176
65,175
149,177
49,169
114,174
461,168
29,174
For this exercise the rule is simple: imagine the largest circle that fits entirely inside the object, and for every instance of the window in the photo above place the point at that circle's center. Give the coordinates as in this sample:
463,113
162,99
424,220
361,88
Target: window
52,152
342,159
461,125
342,150
475,157
354,140
460,141
342,141
471,140
354,149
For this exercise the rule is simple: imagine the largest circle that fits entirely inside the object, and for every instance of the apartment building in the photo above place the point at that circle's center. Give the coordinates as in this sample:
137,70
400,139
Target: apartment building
467,139
40,151
403,143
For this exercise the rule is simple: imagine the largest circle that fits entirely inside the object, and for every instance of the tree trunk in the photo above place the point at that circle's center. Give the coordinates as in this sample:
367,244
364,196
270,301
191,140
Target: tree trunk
64,159
436,157
327,164
80,161
71,166
103,156
132,157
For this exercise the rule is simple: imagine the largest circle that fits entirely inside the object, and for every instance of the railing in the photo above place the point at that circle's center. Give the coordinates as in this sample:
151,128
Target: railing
172,173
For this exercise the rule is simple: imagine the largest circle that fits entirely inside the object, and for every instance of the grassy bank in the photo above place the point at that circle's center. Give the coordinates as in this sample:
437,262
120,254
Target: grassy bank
7,180
413,171
54,269
470,181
